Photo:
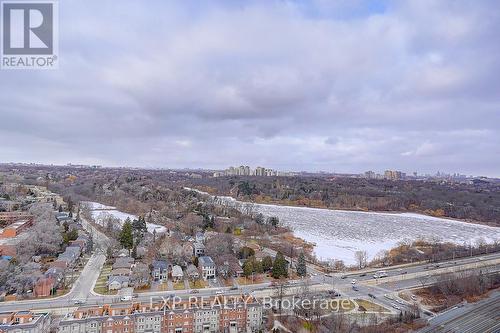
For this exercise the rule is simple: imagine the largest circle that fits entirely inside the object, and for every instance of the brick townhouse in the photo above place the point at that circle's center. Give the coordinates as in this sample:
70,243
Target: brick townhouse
24,322
216,314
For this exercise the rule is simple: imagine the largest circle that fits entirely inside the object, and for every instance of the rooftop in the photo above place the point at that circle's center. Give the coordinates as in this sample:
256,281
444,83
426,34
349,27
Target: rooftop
206,261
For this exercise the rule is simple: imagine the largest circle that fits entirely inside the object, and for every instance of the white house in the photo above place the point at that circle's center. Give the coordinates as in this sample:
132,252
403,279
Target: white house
177,274
207,267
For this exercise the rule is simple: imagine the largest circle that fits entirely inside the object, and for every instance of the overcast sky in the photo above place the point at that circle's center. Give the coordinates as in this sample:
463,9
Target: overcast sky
343,86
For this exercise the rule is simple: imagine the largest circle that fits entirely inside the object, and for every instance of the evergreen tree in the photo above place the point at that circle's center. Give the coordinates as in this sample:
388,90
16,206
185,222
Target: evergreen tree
126,236
208,222
140,227
267,263
248,268
280,266
260,218
274,221
134,251
257,266
301,265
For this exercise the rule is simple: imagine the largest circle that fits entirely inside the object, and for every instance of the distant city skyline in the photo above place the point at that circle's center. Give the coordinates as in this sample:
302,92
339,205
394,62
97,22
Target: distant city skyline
380,174
340,86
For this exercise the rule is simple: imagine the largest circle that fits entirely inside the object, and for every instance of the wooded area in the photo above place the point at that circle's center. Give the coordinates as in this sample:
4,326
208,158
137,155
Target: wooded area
477,201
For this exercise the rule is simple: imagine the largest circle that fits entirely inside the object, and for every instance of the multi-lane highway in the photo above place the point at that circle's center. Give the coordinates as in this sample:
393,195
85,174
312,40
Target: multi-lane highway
480,317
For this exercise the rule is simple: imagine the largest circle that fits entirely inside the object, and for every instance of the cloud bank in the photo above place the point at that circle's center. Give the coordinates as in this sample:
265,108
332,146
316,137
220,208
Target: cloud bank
341,86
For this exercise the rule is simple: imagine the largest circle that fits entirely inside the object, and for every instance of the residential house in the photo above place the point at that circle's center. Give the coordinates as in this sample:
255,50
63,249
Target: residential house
198,249
8,205
177,274
207,267
120,272
44,286
160,270
123,262
188,249
230,268
192,272
199,237
118,282
81,241
62,217
123,253
56,273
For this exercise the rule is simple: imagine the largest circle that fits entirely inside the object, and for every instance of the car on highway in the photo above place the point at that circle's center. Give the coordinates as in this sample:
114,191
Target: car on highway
333,293
362,274
219,292
355,288
372,296
195,291
400,301
413,297
395,306
79,302
428,313
343,276
388,296
126,298
353,281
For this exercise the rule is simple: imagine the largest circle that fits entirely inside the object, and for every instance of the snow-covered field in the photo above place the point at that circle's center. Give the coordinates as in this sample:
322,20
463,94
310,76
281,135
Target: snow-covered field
100,212
338,234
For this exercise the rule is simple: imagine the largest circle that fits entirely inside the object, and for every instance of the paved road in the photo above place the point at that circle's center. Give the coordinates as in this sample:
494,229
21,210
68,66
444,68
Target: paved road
426,267
480,317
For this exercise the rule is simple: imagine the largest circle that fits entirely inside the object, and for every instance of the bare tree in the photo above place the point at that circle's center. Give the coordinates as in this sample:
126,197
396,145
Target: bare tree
280,287
140,275
44,238
361,258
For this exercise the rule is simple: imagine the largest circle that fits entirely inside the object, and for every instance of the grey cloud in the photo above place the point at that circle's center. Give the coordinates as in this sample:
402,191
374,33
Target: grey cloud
413,85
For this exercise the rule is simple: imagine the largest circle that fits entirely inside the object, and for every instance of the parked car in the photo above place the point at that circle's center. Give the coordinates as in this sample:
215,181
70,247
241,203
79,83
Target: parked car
333,293
413,297
388,296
